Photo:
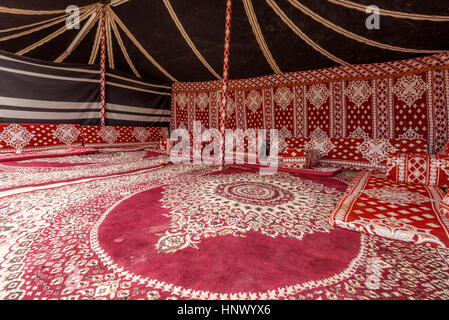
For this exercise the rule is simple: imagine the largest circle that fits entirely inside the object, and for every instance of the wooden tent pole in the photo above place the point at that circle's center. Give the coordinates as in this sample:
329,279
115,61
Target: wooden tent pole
103,65
224,86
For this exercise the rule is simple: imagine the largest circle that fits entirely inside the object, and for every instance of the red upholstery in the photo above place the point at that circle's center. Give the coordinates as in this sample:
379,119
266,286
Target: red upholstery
444,206
445,151
165,145
411,168
292,158
121,136
36,137
354,153
375,205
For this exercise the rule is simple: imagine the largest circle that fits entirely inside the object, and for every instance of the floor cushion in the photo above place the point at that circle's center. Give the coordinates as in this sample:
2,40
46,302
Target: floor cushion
413,168
357,153
293,158
37,137
444,206
375,205
120,136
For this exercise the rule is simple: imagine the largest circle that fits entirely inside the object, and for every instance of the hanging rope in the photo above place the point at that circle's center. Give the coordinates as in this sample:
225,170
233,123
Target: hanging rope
187,38
33,24
37,12
302,35
94,17
103,66
391,13
51,36
123,48
45,26
109,42
224,86
96,44
352,35
139,46
259,36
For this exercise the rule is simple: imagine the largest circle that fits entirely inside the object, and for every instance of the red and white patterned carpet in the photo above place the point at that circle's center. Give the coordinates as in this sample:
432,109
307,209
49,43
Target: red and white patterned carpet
126,226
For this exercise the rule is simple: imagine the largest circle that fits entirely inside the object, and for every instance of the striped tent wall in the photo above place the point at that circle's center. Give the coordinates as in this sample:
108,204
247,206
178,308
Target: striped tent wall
34,91
130,101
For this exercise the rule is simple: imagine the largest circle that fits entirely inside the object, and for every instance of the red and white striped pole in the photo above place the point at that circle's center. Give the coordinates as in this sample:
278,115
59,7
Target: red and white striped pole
224,86
103,66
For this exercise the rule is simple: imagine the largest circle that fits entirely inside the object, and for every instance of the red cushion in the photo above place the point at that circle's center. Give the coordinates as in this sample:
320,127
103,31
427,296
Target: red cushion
357,153
292,158
444,206
165,145
375,205
445,151
418,168
114,136
35,137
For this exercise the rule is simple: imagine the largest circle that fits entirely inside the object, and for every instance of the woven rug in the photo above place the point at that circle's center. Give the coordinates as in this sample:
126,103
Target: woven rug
20,174
399,211
190,232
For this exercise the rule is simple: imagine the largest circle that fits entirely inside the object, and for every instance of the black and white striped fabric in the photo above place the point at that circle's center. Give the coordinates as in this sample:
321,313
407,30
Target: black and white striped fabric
33,91
130,101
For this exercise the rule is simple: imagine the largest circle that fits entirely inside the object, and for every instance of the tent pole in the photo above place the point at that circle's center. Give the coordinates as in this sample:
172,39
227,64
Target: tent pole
103,66
224,86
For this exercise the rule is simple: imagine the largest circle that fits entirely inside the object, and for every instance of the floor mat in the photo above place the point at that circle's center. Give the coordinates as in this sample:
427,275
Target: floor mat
375,205
37,172
191,232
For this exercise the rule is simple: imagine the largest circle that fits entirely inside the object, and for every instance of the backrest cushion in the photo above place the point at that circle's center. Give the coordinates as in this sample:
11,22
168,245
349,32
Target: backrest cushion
107,136
357,154
412,168
35,137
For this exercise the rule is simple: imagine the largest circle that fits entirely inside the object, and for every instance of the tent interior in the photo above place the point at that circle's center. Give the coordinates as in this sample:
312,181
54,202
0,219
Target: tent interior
224,149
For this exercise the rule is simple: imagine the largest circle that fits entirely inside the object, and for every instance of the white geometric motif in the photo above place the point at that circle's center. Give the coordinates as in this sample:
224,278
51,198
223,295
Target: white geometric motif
253,101
318,95
322,145
16,136
358,134
202,100
284,133
376,150
318,133
396,195
230,107
182,100
410,88
109,134
410,134
358,92
164,132
283,97
141,134
66,133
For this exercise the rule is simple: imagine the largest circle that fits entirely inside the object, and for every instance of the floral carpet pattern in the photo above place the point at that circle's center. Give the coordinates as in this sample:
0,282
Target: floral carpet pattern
191,232
32,172
239,203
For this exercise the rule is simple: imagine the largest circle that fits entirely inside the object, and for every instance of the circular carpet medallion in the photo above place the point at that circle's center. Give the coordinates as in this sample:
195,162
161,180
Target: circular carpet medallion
228,233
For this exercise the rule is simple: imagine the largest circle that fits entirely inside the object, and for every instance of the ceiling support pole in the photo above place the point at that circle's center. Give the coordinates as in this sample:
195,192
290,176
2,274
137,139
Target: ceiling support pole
103,66
224,86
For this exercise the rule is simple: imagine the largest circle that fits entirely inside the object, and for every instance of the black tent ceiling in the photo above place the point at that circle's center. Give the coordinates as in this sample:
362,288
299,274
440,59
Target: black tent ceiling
182,40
